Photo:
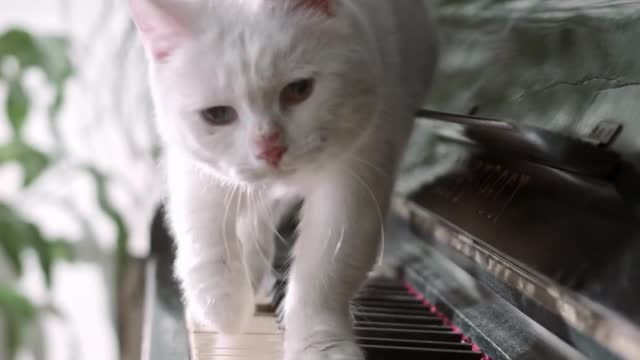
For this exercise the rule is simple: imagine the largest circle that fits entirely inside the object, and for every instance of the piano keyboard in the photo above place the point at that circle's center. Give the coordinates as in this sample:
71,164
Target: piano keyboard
390,320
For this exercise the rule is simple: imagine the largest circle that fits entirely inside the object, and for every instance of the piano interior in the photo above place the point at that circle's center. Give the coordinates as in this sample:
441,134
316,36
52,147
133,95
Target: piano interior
514,232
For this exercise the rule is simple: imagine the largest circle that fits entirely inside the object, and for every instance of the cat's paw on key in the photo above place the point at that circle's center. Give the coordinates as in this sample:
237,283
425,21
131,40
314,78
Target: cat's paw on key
222,308
322,346
335,351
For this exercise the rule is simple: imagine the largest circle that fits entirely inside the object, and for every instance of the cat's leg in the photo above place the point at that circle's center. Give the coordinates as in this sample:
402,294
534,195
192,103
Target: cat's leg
209,262
257,229
338,245
258,247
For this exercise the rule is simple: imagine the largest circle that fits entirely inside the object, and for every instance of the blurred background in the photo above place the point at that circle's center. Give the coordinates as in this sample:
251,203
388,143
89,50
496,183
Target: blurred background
78,179
78,175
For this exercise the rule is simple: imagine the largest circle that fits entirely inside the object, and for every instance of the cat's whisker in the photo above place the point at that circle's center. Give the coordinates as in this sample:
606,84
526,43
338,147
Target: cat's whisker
274,228
254,214
227,202
378,208
270,224
339,246
364,162
254,237
239,200
266,258
234,197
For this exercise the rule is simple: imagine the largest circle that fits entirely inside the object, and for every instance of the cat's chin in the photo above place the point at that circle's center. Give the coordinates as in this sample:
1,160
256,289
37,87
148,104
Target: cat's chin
261,176
247,176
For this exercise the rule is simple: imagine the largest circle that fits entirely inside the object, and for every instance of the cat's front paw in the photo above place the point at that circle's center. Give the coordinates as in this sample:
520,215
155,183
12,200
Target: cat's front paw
224,312
220,304
323,347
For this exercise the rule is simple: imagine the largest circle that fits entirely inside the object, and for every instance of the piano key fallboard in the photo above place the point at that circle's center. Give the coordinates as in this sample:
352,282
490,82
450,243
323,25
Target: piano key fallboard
390,320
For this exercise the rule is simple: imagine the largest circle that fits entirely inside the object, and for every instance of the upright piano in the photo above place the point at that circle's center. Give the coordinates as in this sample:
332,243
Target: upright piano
525,248
515,230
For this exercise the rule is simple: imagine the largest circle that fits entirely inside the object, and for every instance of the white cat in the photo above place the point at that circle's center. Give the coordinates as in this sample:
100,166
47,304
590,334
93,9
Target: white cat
261,103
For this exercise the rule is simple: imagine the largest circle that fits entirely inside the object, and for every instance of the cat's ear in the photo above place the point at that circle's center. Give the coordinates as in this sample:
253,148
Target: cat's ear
161,31
323,6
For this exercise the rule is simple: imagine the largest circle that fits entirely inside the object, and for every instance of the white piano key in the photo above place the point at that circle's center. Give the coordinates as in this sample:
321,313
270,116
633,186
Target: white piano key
261,324
261,341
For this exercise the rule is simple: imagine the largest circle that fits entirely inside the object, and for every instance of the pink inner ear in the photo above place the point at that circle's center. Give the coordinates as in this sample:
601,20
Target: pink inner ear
161,33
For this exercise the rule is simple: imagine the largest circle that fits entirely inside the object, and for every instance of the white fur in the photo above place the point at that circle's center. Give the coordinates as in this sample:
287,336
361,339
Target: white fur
372,61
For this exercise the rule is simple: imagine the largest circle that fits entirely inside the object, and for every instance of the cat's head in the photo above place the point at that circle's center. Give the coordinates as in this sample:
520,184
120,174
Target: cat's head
257,89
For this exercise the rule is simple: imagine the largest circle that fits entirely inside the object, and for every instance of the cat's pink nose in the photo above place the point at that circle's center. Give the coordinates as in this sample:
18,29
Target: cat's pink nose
273,155
270,148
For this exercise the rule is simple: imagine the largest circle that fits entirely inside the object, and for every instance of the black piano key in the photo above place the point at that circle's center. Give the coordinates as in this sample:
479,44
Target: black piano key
389,304
278,297
421,344
423,311
395,318
404,299
279,288
390,322
374,352
395,295
368,293
278,300
280,313
439,327
385,288
408,334
278,285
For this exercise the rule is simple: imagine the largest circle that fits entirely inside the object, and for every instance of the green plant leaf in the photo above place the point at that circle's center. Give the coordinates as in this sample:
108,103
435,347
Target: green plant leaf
61,249
12,235
32,161
56,105
58,68
18,234
17,106
55,62
49,252
12,300
8,153
20,314
49,53
40,245
21,45
11,246
122,234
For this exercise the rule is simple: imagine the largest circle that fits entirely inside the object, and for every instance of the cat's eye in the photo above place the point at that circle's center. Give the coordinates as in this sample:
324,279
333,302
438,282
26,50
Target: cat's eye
219,115
296,92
